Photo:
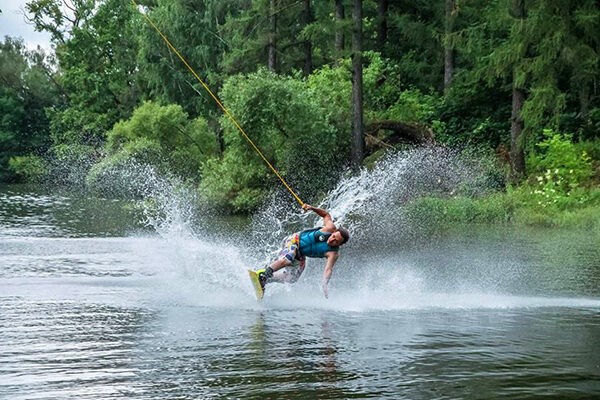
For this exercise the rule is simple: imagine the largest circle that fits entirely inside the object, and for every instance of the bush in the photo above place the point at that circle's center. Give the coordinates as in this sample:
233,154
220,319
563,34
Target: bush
514,207
121,175
559,169
28,168
163,136
584,215
384,98
70,163
287,124
436,211
592,148
233,185
468,116
331,88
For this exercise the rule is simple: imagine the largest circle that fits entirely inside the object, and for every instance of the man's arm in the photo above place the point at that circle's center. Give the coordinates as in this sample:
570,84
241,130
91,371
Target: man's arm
332,257
328,225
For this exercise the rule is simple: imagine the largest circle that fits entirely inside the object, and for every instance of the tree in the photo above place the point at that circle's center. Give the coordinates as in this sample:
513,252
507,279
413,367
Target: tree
96,51
339,30
382,30
96,48
308,58
272,46
357,149
162,137
288,125
193,27
517,146
25,92
59,17
449,52
280,35
536,52
414,30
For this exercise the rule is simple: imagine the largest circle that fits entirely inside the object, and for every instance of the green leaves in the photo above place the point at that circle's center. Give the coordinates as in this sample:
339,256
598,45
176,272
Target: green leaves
559,155
559,170
28,168
25,92
91,105
286,122
173,138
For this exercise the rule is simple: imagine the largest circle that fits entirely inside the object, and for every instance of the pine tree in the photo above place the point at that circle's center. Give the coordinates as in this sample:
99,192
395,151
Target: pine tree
545,50
357,148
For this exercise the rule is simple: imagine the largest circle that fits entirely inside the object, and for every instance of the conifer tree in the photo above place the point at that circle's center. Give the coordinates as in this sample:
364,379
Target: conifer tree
357,148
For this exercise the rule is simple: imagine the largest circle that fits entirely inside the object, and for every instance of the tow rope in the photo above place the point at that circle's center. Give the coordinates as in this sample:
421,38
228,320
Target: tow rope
216,99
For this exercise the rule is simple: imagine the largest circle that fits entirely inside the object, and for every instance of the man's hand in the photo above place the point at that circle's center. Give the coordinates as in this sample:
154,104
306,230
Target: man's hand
325,290
307,207
328,225
332,257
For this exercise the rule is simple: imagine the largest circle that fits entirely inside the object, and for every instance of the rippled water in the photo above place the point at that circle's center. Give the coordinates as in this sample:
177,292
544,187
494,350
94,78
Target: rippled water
92,307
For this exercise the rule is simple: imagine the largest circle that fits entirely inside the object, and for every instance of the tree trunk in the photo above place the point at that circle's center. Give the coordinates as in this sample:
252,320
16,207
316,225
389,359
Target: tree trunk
339,31
584,102
308,61
382,10
213,125
517,147
449,53
517,139
358,141
272,47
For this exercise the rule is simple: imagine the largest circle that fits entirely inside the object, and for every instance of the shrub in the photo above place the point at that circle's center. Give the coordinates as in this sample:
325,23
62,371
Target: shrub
162,136
231,184
331,88
290,128
559,169
28,168
122,174
70,163
437,211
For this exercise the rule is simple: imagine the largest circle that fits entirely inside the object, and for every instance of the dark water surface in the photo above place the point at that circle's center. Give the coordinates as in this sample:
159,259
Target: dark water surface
91,307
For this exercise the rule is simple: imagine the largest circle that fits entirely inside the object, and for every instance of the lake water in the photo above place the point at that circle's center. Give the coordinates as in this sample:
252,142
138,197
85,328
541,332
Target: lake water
95,306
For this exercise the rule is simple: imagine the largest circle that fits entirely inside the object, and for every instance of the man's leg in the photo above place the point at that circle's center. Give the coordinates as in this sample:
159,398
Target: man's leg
280,263
267,275
287,254
290,273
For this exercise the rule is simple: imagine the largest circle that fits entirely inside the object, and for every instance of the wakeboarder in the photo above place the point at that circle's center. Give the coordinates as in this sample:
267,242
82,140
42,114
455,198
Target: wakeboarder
320,242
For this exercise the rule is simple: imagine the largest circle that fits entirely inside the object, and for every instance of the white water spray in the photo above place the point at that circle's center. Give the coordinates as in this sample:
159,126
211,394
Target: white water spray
196,265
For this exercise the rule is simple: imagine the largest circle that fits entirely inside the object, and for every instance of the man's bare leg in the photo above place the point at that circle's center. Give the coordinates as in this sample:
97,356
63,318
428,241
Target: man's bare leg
289,275
280,263
269,274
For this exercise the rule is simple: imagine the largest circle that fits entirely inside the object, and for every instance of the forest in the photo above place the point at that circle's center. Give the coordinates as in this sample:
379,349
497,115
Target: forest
322,87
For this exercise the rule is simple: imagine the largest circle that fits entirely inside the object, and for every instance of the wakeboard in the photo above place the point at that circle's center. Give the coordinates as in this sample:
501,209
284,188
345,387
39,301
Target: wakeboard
258,290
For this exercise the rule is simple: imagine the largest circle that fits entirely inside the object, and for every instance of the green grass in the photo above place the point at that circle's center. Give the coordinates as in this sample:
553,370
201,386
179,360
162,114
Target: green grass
515,207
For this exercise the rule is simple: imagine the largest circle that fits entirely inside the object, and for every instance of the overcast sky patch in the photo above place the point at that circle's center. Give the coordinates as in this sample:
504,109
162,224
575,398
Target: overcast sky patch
13,23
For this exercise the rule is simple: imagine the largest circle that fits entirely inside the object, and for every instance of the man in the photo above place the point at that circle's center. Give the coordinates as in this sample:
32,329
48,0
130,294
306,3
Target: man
322,242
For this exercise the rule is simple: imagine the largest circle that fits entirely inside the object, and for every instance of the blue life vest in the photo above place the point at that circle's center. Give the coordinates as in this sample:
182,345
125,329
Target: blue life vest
313,243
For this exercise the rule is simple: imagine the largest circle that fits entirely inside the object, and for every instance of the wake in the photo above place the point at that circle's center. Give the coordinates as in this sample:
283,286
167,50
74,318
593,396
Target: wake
196,262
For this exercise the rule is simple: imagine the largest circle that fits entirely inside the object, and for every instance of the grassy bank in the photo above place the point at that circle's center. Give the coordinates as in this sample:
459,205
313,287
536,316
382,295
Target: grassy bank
561,190
514,207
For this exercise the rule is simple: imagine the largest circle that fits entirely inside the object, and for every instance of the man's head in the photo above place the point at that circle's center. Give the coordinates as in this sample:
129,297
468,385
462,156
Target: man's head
339,237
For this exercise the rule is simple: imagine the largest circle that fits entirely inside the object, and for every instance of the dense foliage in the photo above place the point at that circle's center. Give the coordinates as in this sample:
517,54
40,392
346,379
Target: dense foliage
518,78
26,90
288,126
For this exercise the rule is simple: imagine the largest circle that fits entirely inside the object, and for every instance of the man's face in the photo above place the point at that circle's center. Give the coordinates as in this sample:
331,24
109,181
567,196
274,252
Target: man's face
335,239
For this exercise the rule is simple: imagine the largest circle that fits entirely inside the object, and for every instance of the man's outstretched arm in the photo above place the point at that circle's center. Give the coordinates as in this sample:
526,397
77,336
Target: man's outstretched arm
332,257
328,225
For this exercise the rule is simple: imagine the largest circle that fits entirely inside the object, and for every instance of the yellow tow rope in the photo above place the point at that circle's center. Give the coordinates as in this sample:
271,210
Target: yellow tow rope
216,99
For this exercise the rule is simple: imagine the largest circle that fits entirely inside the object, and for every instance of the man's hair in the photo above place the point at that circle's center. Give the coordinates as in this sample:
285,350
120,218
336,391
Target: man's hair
345,234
